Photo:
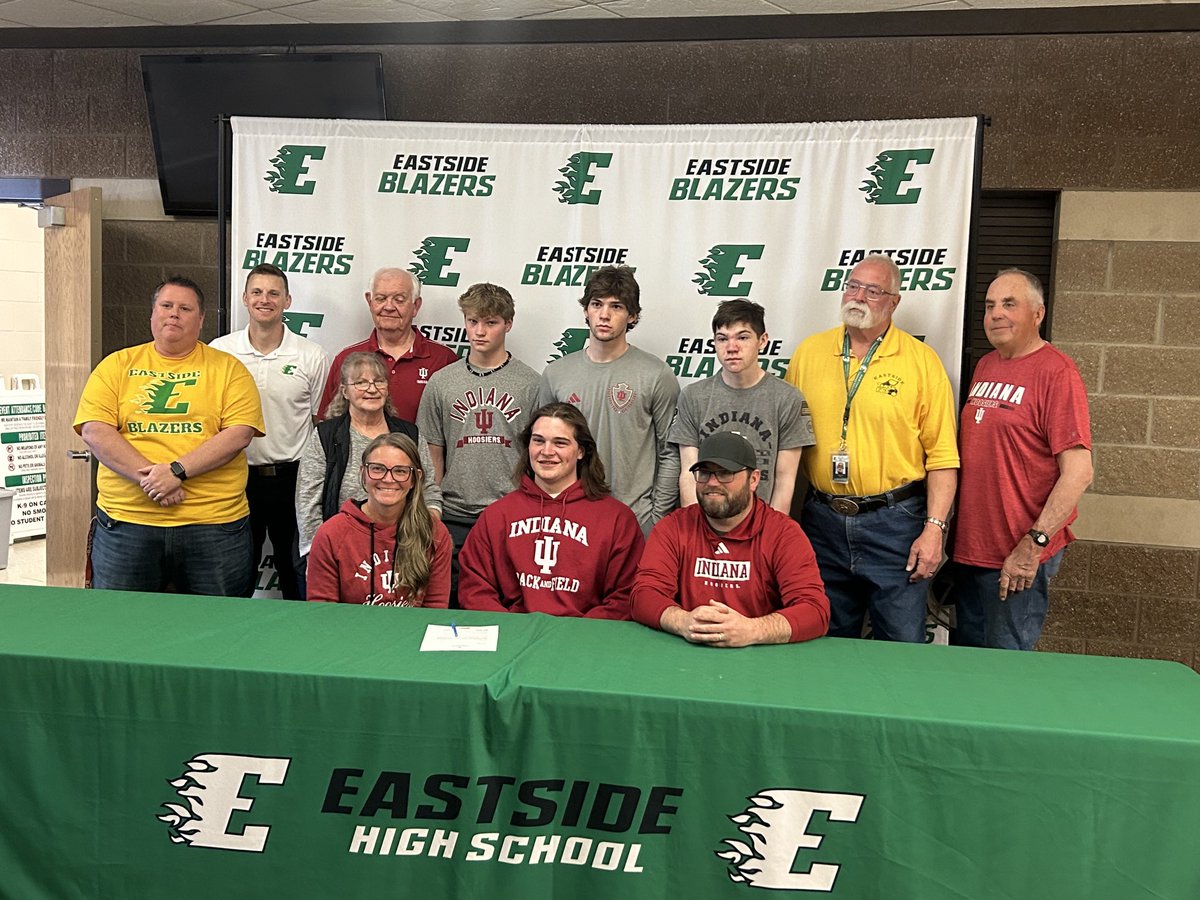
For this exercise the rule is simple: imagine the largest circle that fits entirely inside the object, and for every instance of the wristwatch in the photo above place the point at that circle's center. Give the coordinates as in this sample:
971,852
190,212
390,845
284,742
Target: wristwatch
178,470
1039,537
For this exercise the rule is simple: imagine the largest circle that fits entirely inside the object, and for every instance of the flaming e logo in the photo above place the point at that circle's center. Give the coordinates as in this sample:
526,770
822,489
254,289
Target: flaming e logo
211,787
776,822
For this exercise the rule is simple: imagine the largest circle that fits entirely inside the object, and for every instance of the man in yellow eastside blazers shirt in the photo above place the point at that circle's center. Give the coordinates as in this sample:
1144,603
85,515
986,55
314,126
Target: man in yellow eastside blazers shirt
169,422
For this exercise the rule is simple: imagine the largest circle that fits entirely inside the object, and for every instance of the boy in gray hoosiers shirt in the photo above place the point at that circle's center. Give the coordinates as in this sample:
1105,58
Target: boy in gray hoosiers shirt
769,413
471,414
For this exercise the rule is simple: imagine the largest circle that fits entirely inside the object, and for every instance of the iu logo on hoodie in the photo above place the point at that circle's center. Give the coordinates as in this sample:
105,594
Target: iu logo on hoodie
545,554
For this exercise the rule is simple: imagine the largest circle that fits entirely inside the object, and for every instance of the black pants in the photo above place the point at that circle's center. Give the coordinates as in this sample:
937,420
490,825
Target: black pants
271,491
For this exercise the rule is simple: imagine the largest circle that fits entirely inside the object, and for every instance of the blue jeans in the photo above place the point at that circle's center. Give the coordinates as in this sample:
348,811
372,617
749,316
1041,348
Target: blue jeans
216,560
984,620
862,560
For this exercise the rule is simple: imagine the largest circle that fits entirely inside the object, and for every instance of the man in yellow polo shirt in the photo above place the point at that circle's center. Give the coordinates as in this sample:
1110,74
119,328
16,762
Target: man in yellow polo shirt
884,469
169,422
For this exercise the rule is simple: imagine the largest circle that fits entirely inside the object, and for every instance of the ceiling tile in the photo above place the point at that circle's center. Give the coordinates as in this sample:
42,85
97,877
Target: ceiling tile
848,6
1025,4
172,12
578,12
673,8
492,10
939,5
259,17
351,11
100,13
64,14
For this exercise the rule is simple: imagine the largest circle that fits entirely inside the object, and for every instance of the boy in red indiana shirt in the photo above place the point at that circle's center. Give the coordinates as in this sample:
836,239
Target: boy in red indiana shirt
559,544
730,571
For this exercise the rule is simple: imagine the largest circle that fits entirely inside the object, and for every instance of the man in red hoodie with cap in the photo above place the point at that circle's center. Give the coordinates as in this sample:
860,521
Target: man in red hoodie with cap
560,543
730,571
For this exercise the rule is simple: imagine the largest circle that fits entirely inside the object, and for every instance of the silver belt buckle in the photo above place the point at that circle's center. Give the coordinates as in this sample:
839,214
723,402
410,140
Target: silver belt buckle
844,505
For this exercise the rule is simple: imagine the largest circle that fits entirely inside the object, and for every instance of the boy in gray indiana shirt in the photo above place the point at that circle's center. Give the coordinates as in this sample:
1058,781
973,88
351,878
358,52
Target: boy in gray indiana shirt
471,414
769,413
627,396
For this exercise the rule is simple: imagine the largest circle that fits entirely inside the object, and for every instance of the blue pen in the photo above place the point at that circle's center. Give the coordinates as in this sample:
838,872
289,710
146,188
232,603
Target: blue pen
454,628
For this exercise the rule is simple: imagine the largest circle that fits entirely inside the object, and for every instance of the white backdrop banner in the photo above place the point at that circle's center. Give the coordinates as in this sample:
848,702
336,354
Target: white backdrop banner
773,213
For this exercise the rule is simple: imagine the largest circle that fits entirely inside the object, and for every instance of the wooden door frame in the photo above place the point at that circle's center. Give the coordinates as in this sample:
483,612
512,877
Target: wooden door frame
72,304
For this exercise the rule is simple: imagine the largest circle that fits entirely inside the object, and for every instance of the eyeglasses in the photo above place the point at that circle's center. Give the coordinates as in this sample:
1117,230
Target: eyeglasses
400,474
365,384
703,476
873,291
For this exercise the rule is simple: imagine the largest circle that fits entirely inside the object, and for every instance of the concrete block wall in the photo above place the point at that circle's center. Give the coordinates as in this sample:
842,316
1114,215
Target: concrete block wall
1127,308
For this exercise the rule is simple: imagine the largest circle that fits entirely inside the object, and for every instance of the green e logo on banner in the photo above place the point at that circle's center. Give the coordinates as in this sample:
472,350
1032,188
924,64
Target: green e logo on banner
889,172
433,260
289,165
298,321
722,265
578,172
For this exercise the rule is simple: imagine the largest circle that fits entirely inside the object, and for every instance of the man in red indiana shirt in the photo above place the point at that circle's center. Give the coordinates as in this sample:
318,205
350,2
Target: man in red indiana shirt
730,571
408,356
1025,442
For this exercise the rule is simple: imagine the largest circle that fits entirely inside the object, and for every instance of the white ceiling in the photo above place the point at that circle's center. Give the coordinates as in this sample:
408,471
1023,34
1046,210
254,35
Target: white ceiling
115,13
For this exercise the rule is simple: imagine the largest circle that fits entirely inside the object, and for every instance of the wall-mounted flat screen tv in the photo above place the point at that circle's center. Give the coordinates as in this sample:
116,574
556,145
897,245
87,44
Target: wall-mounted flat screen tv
185,94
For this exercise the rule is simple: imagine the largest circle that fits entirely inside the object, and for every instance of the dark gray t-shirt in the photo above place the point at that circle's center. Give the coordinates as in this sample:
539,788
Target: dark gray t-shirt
769,415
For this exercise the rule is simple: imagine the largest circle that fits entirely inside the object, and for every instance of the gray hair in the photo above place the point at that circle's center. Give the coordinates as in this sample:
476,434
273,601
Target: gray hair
350,365
888,263
1032,283
396,270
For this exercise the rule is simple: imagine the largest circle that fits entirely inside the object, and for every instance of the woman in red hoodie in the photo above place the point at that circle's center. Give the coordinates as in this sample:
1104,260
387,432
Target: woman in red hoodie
559,543
386,550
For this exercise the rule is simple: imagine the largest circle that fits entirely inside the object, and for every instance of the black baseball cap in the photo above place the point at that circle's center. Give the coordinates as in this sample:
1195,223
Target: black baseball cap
729,450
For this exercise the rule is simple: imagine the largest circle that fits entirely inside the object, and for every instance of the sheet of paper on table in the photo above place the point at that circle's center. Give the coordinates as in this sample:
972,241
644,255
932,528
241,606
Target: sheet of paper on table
461,637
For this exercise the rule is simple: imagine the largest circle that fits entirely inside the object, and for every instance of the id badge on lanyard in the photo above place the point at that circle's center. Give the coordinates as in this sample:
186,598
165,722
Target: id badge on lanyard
839,460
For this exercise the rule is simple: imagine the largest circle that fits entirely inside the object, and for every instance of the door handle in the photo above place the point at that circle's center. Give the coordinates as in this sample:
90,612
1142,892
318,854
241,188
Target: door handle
85,455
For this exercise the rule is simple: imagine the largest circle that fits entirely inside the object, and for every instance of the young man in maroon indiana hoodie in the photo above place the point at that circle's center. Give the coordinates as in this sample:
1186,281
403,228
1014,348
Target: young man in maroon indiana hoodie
729,571
559,544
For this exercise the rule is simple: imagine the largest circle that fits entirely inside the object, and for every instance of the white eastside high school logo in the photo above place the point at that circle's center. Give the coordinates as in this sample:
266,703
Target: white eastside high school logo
210,787
776,823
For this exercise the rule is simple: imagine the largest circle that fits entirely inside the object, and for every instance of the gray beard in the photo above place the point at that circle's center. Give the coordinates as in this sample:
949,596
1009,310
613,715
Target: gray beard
860,316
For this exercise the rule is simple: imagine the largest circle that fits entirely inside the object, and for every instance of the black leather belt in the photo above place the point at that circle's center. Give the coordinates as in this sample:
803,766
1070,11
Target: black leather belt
852,506
273,469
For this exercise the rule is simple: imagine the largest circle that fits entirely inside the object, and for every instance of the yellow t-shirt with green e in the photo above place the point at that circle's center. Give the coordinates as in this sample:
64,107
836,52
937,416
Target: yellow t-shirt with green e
166,408
902,418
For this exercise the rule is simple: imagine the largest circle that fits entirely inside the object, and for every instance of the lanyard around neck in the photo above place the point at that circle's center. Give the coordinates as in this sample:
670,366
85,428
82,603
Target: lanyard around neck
852,387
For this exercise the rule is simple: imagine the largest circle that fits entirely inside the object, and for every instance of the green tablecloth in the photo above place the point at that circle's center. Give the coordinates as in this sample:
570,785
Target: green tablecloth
325,755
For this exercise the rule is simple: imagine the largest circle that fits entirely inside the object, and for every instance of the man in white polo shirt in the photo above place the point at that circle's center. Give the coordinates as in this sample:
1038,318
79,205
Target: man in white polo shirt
290,372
